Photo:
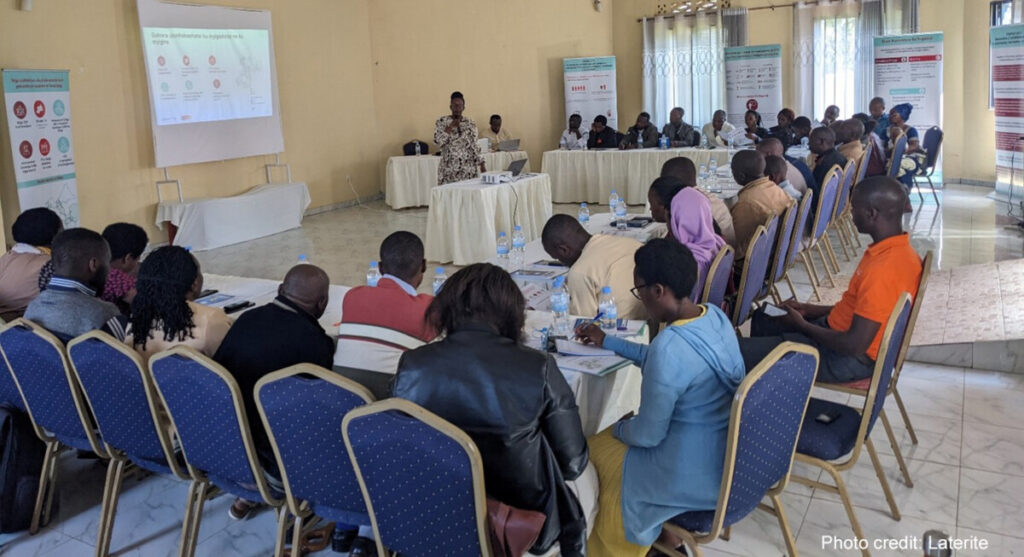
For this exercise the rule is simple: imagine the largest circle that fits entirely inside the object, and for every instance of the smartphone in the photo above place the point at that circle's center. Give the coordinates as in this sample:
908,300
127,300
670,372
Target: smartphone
238,306
205,293
826,417
772,310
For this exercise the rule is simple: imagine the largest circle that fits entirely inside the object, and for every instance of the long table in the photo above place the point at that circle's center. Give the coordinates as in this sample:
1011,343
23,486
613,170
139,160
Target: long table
601,399
409,180
590,176
465,217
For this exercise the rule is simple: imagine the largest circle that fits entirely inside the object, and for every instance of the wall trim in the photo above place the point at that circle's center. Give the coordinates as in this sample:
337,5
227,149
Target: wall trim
342,205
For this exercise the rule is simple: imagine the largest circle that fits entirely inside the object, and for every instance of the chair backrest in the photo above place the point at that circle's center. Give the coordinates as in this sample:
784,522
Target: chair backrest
843,198
440,507
52,395
717,281
205,405
888,351
783,243
9,393
932,143
862,164
755,268
301,407
122,398
695,137
926,272
764,426
826,205
897,156
800,228
410,148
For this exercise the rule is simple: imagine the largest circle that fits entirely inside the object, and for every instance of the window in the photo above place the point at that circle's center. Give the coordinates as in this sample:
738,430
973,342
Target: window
835,63
1001,12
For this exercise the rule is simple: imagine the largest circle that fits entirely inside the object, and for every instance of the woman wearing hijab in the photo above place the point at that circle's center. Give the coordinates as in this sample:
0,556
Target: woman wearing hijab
692,225
667,459
914,158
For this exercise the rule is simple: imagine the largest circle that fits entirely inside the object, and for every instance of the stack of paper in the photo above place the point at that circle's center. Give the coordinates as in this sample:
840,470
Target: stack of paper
575,356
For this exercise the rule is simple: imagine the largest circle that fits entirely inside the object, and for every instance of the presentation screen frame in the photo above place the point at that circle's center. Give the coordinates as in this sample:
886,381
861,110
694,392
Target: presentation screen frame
198,142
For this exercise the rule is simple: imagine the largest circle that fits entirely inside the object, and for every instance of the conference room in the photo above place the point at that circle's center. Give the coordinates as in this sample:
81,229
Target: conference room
457,277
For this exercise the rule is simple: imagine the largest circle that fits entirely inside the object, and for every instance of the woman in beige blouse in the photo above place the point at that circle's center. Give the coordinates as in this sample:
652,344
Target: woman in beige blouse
163,313
457,135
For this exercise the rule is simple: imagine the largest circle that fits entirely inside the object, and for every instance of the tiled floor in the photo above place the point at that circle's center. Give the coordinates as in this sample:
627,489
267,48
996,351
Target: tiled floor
967,467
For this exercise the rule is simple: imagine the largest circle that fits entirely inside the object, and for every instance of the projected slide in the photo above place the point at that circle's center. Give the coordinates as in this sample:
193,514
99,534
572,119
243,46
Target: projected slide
208,75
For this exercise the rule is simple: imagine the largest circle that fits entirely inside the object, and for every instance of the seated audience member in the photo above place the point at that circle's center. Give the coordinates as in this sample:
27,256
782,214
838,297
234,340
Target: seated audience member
164,313
798,172
69,306
495,132
666,460
823,145
684,169
783,131
914,158
392,304
594,262
601,136
777,169
511,400
716,132
877,159
692,226
659,197
848,334
680,134
641,135
282,333
831,115
33,232
127,242
572,138
852,148
881,117
801,128
755,132
759,199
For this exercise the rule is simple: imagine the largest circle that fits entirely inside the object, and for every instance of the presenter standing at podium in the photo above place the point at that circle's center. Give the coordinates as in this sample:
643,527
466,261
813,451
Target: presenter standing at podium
456,135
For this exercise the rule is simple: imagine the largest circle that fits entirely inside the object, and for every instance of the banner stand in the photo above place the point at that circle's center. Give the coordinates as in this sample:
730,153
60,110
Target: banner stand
590,89
753,81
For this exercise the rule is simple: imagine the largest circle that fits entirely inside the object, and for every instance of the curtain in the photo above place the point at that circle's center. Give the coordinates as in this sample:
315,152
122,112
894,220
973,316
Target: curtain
734,26
683,65
825,54
870,25
901,17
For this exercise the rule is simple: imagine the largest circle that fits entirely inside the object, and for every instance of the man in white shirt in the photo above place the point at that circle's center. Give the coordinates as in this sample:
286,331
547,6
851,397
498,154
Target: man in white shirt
717,131
573,138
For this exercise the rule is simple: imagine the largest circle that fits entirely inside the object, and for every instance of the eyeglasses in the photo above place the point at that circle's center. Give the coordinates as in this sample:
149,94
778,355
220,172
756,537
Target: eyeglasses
635,291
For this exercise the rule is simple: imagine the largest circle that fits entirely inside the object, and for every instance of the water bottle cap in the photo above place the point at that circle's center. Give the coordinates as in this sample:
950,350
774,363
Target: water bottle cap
583,204
302,257
501,234
518,228
613,191
606,290
373,264
439,271
559,281
188,248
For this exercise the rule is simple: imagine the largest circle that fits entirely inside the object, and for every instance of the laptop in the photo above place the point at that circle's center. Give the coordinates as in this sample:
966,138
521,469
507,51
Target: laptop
516,167
508,145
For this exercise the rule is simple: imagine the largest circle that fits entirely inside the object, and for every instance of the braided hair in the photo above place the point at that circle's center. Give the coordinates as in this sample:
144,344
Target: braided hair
165,278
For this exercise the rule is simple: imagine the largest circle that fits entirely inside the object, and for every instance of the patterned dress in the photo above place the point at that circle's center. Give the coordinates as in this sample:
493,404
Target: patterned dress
460,155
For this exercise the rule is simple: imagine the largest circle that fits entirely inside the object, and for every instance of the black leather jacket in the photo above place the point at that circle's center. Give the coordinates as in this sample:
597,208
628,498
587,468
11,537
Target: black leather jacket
518,409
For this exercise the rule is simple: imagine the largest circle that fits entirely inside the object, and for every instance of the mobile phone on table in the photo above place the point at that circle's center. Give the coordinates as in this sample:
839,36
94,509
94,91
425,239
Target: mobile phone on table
205,293
238,306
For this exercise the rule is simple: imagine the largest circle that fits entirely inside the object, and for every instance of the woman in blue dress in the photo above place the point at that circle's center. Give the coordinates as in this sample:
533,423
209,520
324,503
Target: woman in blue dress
666,460
914,158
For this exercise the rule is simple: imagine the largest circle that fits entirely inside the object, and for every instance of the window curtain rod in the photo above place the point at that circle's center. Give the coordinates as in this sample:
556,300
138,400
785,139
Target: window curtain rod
758,8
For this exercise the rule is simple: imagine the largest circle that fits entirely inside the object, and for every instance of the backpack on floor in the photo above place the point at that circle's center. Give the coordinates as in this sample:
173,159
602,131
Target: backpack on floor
21,461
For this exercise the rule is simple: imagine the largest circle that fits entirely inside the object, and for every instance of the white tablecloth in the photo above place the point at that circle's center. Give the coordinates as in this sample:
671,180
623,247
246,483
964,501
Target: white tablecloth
465,217
601,400
221,221
408,180
590,176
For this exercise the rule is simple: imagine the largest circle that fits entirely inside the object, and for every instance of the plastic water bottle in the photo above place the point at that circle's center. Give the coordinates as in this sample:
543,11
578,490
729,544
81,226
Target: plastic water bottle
562,144
804,141
704,142
418,150
503,250
613,202
518,247
439,278
373,274
663,142
560,307
713,167
620,215
584,214
702,177
303,260
609,311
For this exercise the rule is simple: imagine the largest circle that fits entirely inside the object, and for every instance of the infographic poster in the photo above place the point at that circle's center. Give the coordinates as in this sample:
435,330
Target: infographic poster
1007,60
753,81
39,123
590,89
908,69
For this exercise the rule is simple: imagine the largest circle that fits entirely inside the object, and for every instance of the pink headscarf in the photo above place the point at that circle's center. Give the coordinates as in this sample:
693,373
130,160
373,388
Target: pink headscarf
693,226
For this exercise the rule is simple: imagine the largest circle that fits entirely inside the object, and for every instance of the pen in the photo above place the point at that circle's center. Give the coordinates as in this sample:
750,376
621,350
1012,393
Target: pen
593,321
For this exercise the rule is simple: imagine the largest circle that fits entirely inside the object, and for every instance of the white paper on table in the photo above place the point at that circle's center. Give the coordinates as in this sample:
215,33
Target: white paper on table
537,297
738,136
591,365
573,348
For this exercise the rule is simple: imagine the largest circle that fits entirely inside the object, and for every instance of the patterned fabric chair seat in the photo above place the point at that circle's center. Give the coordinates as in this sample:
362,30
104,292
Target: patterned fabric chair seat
832,440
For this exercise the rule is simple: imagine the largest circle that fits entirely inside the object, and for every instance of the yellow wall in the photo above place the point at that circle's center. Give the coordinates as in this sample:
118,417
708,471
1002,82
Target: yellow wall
357,79
969,125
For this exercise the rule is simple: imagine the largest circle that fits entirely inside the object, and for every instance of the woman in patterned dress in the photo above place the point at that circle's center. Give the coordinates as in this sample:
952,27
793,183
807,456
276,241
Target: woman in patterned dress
456,135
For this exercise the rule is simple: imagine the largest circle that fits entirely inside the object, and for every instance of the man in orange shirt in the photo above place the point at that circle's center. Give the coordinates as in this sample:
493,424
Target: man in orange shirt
848,334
